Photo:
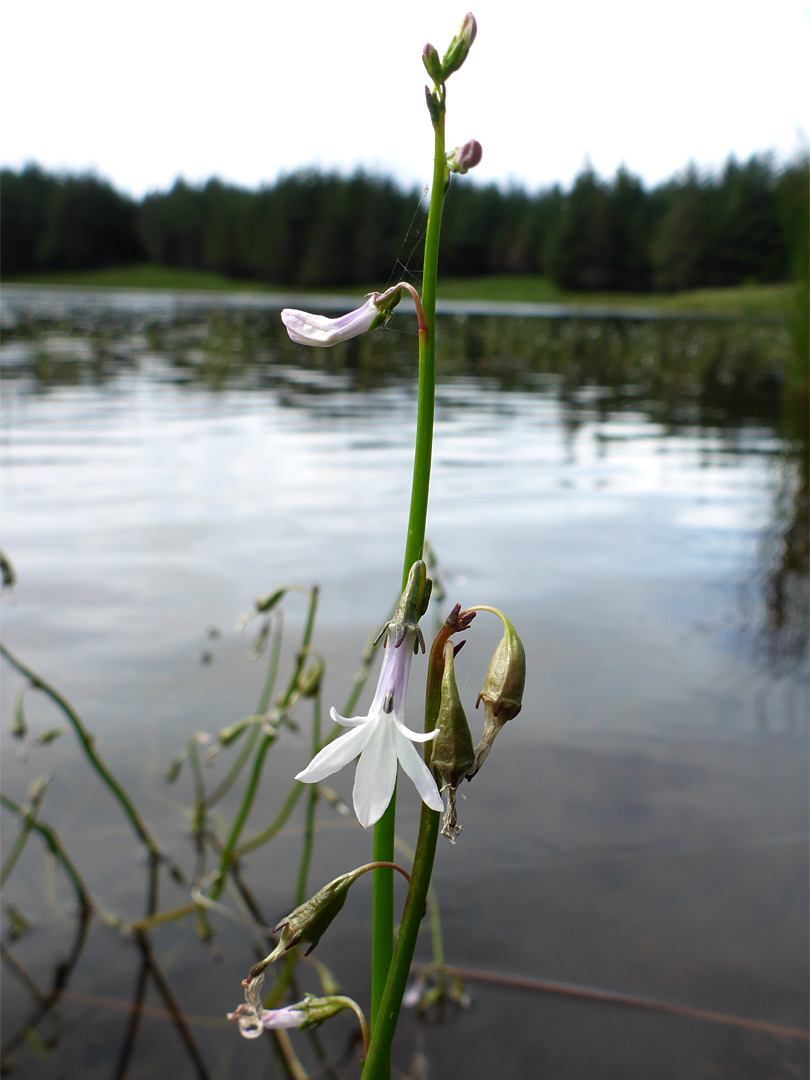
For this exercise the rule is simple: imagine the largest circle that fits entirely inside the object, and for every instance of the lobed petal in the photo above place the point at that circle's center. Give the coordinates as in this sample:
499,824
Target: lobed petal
336,755
348,721
376,773
415,736
418,771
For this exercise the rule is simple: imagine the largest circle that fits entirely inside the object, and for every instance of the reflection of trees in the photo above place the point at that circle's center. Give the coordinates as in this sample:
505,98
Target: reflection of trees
714,373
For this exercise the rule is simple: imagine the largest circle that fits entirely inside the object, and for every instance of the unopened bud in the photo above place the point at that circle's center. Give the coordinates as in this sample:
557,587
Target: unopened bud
433,65
310,681
265,604
465,157
453,755
175,765
434,106
503,687
459,47
231,733
309,921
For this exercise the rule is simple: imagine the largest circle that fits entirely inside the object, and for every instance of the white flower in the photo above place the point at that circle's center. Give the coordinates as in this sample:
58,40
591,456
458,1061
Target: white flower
251,1025
380,738
307,329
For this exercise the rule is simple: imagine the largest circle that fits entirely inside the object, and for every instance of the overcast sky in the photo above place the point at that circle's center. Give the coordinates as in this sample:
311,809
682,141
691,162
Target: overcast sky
145,92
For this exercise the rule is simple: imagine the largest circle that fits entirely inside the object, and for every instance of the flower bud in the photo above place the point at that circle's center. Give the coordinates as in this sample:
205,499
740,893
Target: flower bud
434,106
459,47
175,765
433,65
503,687
265,604
309,682
453,755
310,921
465,157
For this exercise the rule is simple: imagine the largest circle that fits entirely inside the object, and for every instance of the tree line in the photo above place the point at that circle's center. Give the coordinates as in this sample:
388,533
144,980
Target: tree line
740,225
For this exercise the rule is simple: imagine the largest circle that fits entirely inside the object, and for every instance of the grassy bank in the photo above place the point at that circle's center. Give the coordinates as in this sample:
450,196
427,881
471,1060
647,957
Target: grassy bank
745,299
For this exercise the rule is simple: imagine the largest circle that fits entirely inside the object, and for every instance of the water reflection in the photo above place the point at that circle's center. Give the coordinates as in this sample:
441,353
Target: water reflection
166,464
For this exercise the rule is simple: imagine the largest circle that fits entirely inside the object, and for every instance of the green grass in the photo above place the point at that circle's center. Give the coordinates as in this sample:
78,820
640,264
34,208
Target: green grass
141,276
745,299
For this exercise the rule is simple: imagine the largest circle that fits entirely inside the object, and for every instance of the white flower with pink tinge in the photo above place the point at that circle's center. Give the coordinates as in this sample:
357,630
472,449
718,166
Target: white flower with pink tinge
318,330
381,739
305,328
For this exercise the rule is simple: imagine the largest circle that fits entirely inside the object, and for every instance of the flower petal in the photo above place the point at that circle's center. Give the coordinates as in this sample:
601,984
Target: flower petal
336,755
347,721
418,771
376,773
307,329
415,736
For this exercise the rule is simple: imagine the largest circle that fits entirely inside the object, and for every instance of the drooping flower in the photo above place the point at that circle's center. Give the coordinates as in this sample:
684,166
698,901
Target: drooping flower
251,1025
307,329
381,739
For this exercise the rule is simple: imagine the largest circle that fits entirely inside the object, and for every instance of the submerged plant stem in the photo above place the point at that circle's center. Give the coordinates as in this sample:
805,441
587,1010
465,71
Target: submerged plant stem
56,849
312,802
230,848
253,734
88,746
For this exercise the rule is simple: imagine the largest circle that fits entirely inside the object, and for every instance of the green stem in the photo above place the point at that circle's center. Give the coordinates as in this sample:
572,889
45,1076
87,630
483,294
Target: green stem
27,821
378,1061
274,827
229,850
250,741
297,789
88,746
56,849
312,801
382,938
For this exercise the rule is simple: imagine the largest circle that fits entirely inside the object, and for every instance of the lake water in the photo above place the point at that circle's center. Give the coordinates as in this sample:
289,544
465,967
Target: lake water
633,494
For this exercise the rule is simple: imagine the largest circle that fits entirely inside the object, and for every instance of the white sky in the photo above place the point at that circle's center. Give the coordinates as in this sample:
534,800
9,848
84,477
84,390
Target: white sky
245,89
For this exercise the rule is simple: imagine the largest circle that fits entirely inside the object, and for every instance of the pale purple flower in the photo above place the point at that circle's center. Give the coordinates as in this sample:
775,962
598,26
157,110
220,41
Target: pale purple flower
307,329
381,739
251,1026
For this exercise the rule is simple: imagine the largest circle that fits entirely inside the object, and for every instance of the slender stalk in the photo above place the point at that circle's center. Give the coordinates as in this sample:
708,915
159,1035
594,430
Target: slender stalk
274,827
229,850
378,1061
312,802
27,821
383,903
88,746
56,849
61,977
264,704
